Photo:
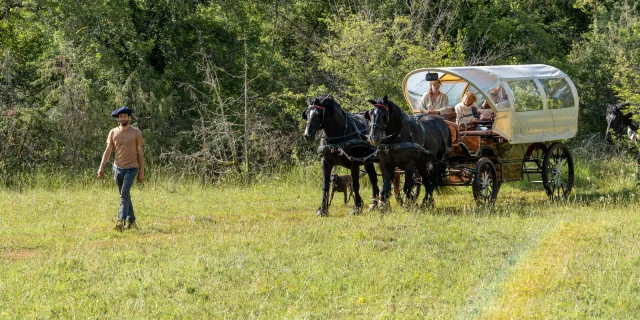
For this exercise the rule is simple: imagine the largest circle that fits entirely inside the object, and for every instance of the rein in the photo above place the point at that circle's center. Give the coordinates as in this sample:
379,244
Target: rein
406,146
358,138
347,117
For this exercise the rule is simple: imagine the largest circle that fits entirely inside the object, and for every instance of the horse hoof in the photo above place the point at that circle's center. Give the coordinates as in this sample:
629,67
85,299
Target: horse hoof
322,213
373,205
428,205
356,211
410,203
384,207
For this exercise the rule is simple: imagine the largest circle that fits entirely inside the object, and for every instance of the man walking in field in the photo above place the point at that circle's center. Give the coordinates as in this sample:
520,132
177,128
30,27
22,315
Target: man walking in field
126,141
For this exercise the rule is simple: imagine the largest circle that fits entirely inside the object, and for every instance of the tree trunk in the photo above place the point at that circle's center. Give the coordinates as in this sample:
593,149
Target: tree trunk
246,111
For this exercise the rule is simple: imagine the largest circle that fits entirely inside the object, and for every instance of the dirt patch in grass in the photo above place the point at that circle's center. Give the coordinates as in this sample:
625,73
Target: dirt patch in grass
17,254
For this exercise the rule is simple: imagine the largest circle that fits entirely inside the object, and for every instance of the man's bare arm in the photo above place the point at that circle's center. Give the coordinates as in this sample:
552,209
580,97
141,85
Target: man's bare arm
105,158
141,164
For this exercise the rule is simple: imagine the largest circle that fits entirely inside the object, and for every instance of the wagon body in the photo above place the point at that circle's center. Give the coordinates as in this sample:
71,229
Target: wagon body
535,108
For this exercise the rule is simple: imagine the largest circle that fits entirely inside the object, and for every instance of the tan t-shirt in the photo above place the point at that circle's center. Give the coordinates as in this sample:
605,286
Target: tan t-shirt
125,143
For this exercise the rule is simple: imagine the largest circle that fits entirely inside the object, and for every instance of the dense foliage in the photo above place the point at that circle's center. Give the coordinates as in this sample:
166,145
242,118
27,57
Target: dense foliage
217,86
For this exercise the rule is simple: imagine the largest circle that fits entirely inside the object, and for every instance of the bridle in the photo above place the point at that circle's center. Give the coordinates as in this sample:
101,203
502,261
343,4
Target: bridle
374,124
384,108
348,120
320,108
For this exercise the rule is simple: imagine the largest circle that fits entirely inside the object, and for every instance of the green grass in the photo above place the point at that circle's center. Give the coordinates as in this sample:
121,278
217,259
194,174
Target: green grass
259,251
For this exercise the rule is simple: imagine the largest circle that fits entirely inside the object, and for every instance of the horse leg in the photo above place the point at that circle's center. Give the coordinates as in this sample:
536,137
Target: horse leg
323,211
429,187
355,189
408,185
387,176
373,178
396,187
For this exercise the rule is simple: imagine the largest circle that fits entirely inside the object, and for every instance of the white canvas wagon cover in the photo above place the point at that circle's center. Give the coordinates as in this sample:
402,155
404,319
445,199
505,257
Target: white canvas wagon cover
532,103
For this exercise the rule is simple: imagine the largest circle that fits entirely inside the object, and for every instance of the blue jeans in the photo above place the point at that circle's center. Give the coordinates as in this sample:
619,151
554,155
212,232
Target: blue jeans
124,180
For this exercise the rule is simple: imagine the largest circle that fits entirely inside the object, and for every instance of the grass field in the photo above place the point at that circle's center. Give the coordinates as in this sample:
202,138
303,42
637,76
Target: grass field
259,251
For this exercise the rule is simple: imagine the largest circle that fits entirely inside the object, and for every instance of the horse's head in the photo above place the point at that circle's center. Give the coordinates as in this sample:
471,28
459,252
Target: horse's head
379,116
616,120
314,115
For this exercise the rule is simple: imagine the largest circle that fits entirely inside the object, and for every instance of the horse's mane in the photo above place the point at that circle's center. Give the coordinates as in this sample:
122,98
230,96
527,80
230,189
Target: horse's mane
395,111
617,110
329,102
332,107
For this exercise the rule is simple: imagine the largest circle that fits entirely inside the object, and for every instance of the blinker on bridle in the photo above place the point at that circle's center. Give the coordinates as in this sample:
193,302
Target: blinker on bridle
386,109
313,106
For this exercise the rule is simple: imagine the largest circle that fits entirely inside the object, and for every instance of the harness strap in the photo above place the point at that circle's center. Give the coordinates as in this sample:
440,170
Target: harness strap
406,124
403,146
353,143
346,122
356,131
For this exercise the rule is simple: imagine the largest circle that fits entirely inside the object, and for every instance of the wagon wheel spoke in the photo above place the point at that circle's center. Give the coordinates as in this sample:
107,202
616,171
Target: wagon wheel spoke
485,183
558,171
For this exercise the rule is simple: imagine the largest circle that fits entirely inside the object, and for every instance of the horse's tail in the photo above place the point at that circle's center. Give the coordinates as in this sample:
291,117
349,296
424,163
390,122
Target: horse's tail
441,179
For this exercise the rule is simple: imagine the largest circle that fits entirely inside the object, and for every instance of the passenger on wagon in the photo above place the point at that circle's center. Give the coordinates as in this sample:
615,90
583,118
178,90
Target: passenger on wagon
499,97
485,113
466,110
435,101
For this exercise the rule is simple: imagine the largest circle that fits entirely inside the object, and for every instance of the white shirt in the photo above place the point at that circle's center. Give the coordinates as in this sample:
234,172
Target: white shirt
441,104
464,113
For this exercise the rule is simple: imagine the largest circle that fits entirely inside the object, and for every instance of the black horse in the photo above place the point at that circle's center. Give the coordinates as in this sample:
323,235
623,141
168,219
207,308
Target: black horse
409,143
618,119
343,143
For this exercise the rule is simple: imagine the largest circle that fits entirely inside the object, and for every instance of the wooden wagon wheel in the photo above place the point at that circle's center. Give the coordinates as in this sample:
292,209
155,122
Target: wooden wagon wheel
557,171
485,183
532,162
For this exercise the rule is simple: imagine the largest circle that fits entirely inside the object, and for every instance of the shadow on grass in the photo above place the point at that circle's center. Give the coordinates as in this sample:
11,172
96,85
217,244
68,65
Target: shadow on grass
525,206
620,197
521,210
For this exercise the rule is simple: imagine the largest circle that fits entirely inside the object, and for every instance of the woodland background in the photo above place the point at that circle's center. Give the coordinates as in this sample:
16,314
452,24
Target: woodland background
217,87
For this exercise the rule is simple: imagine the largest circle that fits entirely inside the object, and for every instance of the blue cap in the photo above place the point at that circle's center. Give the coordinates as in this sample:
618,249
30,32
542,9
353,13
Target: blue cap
121,110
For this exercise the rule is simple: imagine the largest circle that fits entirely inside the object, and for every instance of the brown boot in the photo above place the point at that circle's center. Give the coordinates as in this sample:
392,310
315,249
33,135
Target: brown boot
130,225
119,226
